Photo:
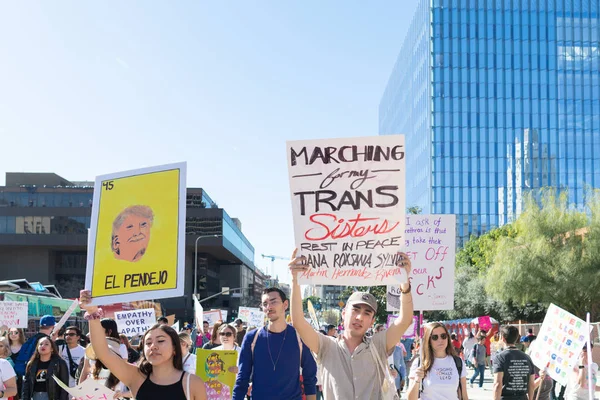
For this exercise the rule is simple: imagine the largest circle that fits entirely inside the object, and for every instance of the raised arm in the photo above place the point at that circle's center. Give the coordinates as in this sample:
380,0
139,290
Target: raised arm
309,336
127,373
401,324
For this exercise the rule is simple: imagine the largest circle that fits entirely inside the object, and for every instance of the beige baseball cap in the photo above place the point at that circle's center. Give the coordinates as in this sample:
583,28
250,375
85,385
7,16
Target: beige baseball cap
363,298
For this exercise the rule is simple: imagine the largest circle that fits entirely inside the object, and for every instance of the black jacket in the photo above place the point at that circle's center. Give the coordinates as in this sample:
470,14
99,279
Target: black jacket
57,367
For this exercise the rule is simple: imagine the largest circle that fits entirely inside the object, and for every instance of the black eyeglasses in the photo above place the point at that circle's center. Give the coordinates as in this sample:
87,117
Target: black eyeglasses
70,334
444,336
228,334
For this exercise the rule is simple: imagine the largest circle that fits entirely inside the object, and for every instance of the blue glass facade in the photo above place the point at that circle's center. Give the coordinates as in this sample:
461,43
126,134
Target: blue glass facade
496,97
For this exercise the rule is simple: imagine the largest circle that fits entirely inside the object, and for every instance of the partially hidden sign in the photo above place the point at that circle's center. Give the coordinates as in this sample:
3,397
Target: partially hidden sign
348,204
430,243
137,235
212,317
13,314
251,316
135,322
485,323
214,367
411,332
559,343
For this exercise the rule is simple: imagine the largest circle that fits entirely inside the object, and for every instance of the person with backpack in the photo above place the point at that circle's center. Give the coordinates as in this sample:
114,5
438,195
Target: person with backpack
45,363
438,373
478,355
47,323
275,358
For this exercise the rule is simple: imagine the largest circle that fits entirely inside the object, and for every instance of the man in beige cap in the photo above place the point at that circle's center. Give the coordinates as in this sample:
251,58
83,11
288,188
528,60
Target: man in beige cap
349,364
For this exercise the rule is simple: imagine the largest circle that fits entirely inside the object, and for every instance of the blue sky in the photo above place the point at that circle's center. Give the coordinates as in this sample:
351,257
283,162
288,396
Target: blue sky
88,88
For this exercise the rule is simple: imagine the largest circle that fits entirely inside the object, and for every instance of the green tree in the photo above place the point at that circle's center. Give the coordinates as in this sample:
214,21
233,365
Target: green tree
554,256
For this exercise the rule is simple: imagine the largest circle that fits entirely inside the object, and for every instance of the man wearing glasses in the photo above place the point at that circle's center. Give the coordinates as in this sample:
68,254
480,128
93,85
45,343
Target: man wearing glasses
273,357
72,352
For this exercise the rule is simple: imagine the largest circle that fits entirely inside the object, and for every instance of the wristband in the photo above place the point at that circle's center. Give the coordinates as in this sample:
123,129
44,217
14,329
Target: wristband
407,290
99,314
581,366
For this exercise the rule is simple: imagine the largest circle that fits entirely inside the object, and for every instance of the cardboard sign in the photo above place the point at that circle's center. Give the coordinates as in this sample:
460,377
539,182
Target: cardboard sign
430,244
212,317
251,316
559,343
485,323
137,235
135,322
348,207
198,313
411,332
13,314
213,367
90,389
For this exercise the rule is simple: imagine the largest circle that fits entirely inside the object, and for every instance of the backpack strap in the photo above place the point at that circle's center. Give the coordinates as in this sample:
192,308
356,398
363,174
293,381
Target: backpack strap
459,367
254,341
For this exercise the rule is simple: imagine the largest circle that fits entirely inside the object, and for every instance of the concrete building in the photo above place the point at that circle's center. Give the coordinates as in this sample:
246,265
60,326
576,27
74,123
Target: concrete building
44,220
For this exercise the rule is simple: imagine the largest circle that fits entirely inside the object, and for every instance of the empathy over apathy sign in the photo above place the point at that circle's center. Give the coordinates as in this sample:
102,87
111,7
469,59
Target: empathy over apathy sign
348,203
135,322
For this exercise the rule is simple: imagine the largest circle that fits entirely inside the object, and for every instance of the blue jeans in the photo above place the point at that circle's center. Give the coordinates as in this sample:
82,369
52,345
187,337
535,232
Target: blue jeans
480,370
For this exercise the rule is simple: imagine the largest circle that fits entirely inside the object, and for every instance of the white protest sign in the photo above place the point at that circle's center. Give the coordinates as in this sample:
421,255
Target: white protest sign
224,315
430,243
348,205
66,315
559,343
175,326
90,389
13,314
135,322
198,313
212,317
251,316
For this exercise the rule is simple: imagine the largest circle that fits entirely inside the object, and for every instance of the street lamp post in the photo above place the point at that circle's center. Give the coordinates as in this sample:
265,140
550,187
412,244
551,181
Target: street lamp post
196,261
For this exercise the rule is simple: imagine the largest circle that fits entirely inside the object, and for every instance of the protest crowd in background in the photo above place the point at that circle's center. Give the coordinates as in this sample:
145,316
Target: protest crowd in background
277,351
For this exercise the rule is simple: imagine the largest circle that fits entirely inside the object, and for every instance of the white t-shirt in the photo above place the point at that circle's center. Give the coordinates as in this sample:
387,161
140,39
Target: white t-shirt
76,354
6,371
441,382
574,391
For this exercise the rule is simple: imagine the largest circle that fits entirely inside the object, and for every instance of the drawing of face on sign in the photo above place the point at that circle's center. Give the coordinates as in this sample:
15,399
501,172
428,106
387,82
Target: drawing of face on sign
131,233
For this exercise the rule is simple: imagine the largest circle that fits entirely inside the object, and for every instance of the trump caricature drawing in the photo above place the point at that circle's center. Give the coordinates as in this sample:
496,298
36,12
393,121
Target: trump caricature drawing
131,233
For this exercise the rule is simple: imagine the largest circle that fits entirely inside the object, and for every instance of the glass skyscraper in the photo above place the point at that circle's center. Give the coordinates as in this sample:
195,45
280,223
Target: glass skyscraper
496,98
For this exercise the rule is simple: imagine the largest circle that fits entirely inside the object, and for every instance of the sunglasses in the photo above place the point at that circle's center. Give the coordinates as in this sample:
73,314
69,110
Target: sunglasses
444,336
228,334
70,334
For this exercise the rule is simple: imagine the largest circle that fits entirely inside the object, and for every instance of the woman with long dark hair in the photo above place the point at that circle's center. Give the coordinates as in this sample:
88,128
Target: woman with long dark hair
435,375
45,363
215,340
160,372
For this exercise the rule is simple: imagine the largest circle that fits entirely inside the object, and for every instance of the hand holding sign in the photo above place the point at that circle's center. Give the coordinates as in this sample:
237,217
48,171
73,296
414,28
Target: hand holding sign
85,300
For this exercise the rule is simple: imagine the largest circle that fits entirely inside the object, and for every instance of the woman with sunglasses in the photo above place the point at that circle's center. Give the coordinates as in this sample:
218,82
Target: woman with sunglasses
435,375
16,339
227,334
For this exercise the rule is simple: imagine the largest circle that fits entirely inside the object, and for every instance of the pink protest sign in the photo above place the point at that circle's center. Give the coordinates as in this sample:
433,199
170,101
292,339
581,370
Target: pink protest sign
485,323
411,332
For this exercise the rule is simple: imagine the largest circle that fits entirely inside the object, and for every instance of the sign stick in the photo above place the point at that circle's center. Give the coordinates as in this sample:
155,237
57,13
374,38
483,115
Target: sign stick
589,359
66,316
